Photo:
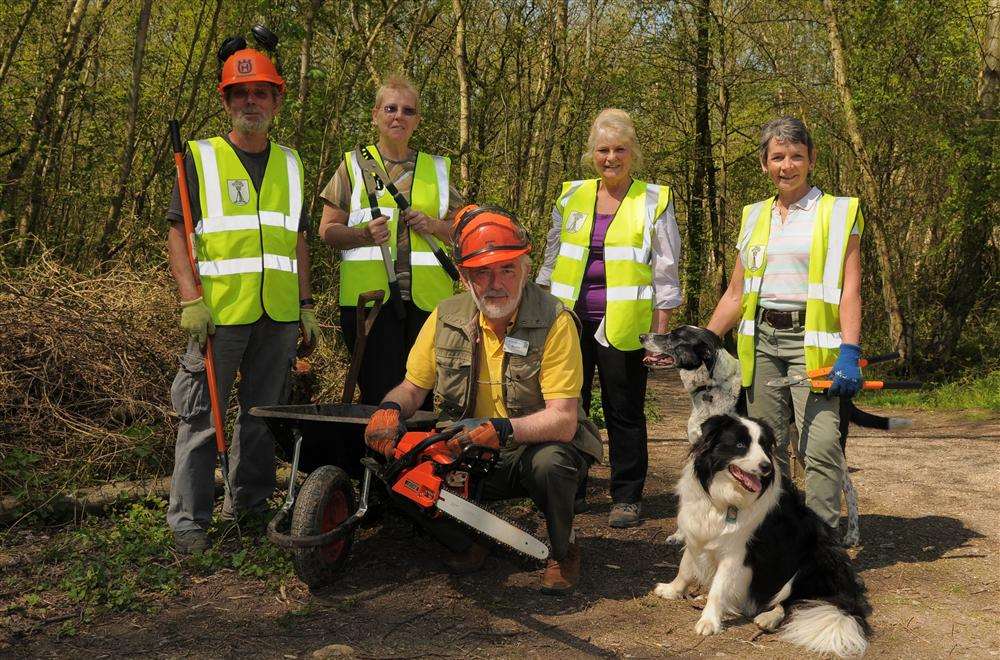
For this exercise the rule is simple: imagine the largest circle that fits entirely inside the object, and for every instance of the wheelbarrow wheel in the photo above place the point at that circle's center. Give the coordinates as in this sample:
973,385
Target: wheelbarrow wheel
325,501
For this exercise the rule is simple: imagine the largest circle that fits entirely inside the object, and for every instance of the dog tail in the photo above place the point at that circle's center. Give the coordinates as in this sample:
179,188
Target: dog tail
822,627
871,421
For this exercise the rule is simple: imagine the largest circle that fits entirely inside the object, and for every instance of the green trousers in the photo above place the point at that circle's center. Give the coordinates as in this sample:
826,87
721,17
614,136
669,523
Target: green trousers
780,353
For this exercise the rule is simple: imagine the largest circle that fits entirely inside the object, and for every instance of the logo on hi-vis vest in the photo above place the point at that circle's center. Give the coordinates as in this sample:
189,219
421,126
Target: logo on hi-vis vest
575,221
756,257
244,66
239,191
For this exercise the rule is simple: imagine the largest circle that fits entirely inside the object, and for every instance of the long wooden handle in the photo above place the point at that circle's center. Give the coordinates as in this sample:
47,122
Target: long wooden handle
182,187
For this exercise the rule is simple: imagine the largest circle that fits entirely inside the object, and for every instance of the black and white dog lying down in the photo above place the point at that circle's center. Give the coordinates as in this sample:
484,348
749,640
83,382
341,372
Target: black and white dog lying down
758,549
712,377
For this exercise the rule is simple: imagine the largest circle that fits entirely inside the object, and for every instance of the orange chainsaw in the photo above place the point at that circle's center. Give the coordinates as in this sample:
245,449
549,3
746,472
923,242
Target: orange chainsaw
425,472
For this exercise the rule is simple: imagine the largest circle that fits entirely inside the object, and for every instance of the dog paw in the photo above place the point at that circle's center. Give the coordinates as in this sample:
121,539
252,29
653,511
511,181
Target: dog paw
769,620
708,626
668,591
677,538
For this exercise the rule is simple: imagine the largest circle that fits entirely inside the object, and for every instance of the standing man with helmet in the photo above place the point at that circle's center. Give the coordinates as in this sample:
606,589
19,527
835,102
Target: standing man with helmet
504,359
253,265
350,225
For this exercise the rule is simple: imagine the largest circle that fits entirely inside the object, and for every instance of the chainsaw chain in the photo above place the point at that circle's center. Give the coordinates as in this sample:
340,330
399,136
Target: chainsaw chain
507,520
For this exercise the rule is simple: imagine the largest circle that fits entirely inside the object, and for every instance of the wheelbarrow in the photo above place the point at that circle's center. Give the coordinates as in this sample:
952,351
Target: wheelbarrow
327,440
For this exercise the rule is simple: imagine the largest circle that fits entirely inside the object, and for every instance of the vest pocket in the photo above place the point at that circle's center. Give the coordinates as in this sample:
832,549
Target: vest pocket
189,391
454,369
523,394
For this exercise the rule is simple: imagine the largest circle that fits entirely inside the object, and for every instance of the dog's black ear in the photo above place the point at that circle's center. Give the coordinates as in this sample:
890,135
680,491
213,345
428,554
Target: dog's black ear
710,430
767,438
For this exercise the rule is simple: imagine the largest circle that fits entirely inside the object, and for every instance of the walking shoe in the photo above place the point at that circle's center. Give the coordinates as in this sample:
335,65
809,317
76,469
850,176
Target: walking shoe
560,577
625,514
191,541
470,561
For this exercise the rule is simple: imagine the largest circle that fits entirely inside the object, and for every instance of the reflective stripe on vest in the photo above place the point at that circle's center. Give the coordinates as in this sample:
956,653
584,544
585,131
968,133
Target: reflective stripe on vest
627,251
362,268
834,221
246,239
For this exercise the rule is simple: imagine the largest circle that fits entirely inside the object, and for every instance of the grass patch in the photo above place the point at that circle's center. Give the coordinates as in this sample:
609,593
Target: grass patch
966,393
127,562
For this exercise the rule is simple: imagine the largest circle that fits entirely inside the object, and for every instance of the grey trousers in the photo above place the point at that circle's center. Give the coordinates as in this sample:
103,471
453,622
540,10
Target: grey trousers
547,473
780,353
262,354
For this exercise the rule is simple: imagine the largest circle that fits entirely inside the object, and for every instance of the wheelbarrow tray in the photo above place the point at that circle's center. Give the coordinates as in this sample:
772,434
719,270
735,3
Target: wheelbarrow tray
332,433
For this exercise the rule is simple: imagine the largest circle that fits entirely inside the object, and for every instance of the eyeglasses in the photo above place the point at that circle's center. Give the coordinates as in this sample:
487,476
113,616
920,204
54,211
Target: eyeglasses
392,108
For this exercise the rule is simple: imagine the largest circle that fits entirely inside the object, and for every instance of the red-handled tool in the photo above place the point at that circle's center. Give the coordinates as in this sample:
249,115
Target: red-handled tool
213,388
814,377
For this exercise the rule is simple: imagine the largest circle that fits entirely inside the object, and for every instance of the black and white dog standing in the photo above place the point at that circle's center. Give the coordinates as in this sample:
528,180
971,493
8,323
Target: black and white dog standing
711,376
758,549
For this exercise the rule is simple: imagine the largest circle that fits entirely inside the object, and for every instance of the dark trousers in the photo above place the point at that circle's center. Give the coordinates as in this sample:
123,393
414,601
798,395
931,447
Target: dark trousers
383,363
623,394
548,473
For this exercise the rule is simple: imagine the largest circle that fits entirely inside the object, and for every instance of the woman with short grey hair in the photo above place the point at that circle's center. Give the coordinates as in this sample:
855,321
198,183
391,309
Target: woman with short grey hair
795,294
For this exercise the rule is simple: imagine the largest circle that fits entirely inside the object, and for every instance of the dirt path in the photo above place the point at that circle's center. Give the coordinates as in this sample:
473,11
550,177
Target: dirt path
930,529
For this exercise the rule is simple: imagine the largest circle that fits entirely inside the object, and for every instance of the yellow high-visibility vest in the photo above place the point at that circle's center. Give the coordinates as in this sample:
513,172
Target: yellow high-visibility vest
627,250
836,218
246,239
362,268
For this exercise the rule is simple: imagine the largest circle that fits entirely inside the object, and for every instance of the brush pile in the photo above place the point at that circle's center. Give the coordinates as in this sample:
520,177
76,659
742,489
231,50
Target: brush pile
85,367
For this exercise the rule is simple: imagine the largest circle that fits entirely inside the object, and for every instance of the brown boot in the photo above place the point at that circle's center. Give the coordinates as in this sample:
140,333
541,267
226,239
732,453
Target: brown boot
470,561
560,577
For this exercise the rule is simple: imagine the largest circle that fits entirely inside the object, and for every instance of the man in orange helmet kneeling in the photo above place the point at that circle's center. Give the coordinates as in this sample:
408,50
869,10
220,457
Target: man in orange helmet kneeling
504,359
246,195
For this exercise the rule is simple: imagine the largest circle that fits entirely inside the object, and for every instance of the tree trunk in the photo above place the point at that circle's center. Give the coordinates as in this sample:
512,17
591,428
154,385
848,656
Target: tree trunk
550,126
8,57
695,257
462,71
970,254
131,126
24,160
305,61
899,328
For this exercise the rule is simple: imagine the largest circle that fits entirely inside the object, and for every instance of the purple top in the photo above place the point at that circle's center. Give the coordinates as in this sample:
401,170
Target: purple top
593,301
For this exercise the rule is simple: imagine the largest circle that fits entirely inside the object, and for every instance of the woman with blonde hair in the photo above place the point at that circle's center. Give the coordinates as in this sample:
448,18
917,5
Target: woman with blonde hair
350,226
612,256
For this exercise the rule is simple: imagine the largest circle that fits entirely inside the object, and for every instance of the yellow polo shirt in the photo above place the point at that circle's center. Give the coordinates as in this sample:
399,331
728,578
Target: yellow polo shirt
561,375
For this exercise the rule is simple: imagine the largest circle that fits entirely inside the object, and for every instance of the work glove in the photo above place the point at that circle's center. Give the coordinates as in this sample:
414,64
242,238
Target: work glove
311,334
493,433
196,318
384,429
846,374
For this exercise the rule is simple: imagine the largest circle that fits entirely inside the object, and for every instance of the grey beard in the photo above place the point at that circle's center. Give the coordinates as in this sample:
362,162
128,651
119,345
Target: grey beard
243,125
491,311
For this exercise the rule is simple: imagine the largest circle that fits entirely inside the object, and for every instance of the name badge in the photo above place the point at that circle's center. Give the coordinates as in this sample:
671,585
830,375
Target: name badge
515,346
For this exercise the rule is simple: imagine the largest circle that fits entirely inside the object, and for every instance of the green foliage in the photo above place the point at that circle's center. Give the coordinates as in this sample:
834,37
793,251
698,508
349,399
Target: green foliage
968,393
128,562
653,412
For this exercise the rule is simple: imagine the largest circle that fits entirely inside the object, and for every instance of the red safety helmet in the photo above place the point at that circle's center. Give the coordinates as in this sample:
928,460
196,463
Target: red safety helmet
249,65
484,235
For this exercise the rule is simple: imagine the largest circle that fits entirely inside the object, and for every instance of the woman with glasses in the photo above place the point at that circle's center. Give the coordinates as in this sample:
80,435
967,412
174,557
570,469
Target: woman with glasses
350,225
612,255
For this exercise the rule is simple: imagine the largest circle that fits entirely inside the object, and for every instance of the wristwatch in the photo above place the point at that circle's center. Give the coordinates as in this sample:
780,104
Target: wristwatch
306,301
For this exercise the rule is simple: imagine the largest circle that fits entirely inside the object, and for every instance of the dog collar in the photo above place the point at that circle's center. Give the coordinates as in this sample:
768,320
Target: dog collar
731,514
701,388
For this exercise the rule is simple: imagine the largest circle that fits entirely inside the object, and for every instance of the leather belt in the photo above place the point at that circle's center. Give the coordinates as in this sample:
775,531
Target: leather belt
782,320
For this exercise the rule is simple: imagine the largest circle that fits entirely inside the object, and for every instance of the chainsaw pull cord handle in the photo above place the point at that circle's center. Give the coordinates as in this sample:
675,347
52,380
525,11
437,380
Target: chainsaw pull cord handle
213,387
390,267
446,263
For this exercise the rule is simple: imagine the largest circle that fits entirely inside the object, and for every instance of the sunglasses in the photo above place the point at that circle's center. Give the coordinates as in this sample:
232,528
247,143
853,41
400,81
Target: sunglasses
392,108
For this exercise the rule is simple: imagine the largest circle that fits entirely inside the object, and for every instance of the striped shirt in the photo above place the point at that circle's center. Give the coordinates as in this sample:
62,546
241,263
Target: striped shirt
785,283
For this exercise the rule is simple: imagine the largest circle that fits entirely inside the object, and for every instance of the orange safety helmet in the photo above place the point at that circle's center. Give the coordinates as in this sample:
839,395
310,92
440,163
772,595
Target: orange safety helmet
484,235
249,65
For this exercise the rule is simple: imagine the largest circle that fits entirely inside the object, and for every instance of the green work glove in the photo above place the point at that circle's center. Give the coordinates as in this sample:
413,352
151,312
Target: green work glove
196,318
311,334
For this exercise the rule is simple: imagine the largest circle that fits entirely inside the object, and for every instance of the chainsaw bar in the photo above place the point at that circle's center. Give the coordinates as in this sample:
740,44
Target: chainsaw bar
490,524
